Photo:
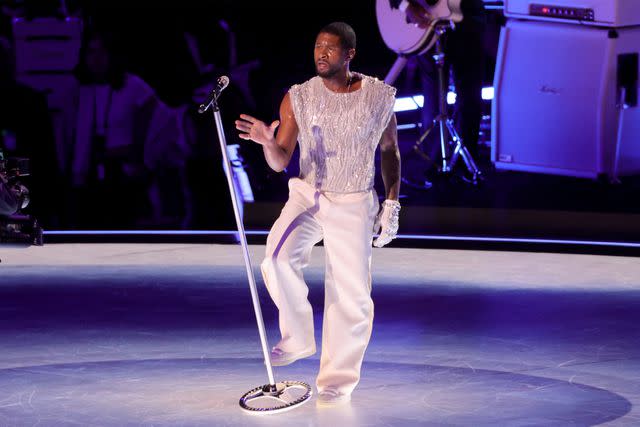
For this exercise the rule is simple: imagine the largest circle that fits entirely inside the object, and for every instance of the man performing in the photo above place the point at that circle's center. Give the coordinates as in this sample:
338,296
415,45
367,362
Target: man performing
339,118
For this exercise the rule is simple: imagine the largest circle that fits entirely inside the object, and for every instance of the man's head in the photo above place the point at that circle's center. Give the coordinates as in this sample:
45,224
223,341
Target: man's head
334,49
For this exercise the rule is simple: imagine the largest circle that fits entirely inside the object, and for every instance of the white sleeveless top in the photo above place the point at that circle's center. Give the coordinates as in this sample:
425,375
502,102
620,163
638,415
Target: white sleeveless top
339,132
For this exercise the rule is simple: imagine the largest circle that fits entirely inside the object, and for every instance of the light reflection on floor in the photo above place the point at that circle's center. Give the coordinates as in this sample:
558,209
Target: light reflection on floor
164,335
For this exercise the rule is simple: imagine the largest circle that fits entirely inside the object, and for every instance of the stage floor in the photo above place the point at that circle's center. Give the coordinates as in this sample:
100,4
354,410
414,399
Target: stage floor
165,335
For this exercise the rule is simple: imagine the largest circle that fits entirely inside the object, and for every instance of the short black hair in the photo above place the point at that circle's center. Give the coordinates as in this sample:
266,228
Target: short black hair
344,31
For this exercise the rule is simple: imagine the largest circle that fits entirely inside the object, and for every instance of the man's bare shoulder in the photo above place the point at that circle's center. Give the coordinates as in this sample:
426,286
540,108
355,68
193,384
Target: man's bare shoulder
378,85
303,85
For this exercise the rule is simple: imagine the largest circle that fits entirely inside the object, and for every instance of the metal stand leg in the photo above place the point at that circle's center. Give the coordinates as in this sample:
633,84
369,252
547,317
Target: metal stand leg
448,134
396,69
390,78
273,397
460,150
622,106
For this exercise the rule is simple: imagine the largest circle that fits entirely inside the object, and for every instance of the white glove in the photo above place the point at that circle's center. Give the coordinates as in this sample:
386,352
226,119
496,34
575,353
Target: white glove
387,219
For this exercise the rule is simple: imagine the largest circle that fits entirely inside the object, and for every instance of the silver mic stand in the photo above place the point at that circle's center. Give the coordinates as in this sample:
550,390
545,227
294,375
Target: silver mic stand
273,397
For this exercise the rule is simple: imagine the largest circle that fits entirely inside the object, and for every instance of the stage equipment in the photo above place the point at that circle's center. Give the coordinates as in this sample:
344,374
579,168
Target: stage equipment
449,137
407,39
15,227
272,397
566,86
597,13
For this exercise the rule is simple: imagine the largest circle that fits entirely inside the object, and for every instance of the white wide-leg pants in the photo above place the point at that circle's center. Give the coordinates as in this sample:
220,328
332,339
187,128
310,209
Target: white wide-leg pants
345,222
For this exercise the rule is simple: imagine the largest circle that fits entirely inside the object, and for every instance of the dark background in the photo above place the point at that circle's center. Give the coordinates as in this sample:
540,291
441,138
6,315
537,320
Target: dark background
280,36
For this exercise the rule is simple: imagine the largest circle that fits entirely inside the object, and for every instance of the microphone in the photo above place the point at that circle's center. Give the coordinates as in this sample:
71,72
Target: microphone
221,84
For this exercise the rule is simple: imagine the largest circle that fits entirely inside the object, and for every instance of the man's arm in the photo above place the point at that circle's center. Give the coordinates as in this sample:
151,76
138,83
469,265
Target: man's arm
279,148
390,160
388,218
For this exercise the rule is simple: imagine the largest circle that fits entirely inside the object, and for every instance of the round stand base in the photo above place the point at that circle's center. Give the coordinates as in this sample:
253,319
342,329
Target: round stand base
268,399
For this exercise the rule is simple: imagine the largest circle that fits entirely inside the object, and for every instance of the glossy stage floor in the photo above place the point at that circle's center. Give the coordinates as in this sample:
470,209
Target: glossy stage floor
165,335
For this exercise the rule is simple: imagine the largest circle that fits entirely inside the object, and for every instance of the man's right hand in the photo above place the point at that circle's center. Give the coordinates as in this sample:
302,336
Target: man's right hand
257,130
418,15
277,150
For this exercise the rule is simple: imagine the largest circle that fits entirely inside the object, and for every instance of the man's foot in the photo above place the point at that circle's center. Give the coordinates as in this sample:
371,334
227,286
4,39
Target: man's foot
332,398
283,358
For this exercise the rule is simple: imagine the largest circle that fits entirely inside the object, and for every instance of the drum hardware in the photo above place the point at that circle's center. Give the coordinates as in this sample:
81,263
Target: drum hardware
444,13
445,124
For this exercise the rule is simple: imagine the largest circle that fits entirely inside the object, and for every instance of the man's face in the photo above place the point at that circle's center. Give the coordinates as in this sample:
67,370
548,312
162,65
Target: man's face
329,55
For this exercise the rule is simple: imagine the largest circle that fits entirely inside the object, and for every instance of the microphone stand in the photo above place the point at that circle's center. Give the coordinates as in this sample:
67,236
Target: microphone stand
273,397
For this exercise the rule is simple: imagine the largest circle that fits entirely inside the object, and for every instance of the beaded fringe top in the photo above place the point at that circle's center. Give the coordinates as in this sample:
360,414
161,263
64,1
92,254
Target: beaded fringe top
339,132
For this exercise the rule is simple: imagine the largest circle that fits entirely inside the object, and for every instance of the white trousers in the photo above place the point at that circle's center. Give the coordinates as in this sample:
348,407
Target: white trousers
345,222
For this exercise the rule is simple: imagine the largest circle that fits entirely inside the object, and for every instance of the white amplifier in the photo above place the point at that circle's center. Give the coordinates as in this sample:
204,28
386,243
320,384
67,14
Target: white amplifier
603,13
558,90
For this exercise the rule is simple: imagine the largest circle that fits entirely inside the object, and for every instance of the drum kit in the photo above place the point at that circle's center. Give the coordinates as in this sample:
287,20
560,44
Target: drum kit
408,39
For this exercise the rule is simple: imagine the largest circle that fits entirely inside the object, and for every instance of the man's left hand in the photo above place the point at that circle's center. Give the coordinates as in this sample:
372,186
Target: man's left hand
387,222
